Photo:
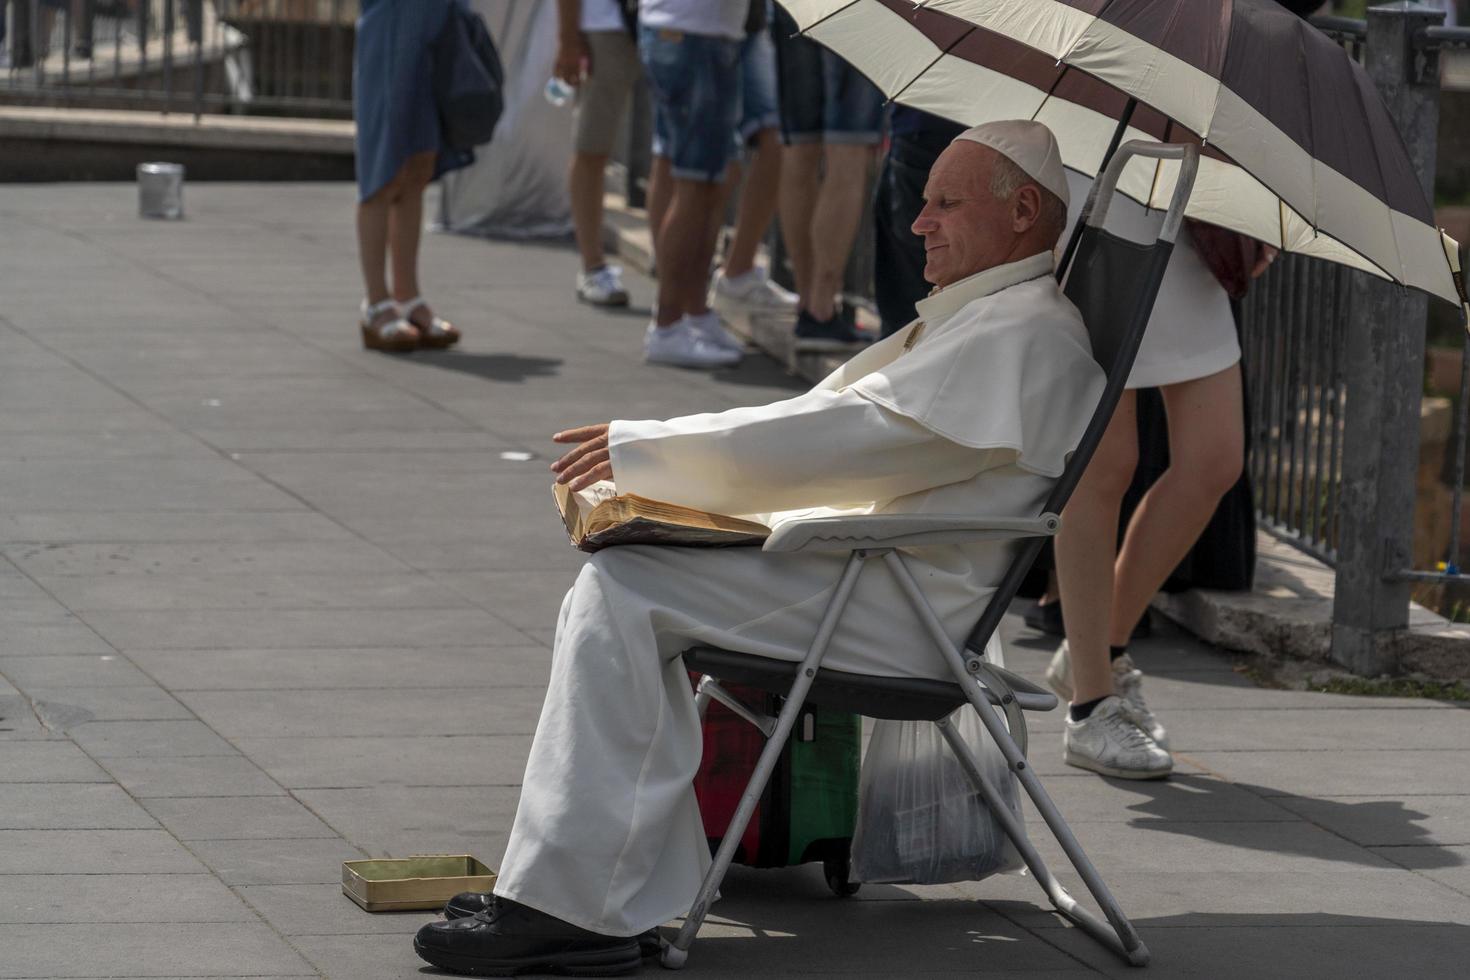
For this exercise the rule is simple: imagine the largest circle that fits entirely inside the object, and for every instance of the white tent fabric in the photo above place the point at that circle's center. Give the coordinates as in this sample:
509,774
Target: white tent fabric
516,188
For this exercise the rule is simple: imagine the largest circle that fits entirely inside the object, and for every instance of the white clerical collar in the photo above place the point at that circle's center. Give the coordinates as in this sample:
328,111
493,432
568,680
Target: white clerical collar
944,302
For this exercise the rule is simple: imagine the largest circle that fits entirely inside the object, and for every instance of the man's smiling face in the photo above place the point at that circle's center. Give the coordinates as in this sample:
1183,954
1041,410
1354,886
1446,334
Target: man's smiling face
965,228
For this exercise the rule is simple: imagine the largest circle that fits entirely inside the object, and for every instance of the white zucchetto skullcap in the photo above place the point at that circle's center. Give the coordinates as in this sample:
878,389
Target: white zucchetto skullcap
1030,146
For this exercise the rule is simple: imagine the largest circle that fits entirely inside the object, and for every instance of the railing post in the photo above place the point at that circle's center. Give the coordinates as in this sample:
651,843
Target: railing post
37,43
1383,371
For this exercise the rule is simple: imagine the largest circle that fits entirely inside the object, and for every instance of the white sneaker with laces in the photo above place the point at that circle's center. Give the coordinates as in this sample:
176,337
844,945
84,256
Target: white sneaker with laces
681,345
711,330
752,291
1127,684
1109,741
602,287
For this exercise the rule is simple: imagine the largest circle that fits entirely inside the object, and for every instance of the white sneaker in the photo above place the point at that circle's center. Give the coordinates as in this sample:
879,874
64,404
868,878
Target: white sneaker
682,345
1127,684
602,287
712,331
1109,741
752,291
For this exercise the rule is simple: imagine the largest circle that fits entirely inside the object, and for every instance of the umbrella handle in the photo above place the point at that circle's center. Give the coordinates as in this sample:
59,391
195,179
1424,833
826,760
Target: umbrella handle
1095,211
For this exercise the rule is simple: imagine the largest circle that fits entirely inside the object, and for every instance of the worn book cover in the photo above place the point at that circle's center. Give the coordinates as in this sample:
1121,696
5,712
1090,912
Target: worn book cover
599,517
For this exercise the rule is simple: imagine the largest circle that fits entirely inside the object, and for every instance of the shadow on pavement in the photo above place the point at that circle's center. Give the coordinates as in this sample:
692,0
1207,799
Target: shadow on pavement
509,368
782,923
1174,807
761,371
631,311
1302,946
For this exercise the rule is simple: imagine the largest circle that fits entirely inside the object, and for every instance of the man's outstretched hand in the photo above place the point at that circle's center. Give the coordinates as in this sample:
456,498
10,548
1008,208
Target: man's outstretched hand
589,462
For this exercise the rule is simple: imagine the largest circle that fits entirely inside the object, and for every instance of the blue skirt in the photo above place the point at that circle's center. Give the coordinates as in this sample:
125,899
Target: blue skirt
393,93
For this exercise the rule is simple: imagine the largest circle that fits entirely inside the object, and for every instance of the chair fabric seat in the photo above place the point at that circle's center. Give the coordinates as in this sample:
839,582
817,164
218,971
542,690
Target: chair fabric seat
896,698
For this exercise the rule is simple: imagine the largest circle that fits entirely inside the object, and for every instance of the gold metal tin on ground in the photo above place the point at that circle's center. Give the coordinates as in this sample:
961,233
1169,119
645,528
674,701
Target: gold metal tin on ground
425,881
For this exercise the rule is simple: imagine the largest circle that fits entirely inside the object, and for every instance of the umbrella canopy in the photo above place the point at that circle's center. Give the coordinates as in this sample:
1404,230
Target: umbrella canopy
1300,151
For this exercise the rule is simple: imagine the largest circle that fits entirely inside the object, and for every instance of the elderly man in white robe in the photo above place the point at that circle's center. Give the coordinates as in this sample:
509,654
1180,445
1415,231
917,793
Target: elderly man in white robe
973,408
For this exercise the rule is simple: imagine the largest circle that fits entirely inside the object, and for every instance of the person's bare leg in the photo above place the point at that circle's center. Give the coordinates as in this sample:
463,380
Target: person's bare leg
685,250
660,191
405,225
1086,548
801,167
758,200
1206,453
834,226
372,245
729,188
585,186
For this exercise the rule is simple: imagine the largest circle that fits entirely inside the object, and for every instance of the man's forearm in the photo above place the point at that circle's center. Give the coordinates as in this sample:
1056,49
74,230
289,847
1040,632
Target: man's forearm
822,449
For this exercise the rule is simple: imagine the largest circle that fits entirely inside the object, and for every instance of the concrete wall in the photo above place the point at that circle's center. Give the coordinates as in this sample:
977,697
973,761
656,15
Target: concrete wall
44,144
27,160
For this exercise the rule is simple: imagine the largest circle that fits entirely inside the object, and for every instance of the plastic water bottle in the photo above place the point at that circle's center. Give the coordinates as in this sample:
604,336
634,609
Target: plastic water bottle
558,92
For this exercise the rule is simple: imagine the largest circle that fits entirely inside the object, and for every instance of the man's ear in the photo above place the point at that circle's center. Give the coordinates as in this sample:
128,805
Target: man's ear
1025,208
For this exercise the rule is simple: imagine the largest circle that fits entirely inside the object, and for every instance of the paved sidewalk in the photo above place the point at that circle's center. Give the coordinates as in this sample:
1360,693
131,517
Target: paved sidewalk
268,602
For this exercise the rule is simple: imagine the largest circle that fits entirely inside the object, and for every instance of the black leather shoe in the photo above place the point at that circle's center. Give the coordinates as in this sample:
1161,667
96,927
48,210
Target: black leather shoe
836,334
1048,619
466,904
508,938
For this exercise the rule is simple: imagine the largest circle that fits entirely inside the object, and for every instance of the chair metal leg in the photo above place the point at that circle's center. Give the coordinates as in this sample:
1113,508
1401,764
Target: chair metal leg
1122,938
1116,940
675,954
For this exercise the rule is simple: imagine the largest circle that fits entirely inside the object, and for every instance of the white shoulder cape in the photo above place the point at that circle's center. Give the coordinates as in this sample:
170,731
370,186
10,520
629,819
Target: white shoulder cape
1009,370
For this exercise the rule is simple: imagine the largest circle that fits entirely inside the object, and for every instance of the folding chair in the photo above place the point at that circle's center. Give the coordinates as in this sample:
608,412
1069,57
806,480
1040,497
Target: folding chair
1113,281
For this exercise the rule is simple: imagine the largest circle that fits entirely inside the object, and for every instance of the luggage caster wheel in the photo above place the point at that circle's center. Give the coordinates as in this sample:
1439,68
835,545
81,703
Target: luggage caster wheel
672,957
839,878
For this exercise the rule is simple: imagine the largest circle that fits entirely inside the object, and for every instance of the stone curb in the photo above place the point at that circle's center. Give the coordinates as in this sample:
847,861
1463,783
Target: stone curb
307,136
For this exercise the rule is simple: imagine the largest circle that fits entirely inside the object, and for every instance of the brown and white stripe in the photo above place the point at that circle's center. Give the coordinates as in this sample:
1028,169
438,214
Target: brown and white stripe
1300,151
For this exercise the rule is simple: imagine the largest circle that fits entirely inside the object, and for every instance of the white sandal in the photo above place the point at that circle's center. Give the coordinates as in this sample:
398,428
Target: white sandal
439,333
396,335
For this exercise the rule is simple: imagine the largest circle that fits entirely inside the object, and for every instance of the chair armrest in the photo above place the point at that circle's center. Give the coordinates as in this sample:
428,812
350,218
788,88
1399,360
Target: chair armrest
904,531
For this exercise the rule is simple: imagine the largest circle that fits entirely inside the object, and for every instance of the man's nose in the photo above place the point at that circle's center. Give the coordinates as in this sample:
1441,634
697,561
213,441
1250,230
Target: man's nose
924,223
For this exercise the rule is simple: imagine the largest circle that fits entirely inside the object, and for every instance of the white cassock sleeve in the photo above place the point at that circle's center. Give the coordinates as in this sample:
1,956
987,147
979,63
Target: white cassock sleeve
823,448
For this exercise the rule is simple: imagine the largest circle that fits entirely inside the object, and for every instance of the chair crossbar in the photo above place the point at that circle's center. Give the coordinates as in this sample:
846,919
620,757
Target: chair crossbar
898,698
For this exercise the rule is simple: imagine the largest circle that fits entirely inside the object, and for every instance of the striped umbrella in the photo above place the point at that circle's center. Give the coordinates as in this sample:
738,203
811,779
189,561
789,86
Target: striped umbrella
1299,150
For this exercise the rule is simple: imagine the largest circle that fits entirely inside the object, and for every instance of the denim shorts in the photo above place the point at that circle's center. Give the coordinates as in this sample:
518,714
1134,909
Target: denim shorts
759,108
823,98
695,83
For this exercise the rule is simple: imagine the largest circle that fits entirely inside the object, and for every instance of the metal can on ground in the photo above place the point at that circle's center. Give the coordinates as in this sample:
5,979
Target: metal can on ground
161,190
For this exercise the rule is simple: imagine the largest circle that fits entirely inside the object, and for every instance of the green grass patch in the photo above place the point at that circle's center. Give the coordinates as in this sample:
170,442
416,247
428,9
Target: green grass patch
1397,687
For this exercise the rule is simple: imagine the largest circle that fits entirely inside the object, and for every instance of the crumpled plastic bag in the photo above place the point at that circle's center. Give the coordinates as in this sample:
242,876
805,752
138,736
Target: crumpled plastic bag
920,819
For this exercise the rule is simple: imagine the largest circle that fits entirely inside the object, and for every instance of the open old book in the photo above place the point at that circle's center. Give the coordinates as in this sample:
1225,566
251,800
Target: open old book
599,517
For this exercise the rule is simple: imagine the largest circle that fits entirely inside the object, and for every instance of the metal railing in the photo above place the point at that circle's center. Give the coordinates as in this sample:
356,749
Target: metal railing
1293,330
273,56
1293,324
1334,372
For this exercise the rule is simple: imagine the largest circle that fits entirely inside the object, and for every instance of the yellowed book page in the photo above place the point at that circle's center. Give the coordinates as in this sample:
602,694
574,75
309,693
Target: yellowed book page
598,516
576,505
626,507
